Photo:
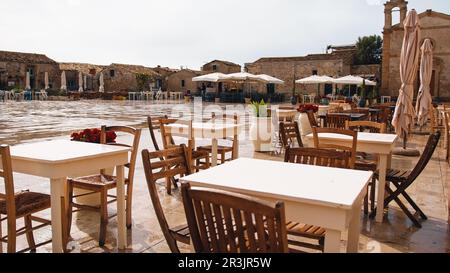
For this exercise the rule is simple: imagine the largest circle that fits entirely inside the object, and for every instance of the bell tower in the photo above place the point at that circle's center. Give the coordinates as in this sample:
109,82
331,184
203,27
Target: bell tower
387,32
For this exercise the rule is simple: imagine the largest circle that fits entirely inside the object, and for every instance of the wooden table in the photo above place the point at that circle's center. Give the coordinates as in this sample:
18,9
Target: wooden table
209,130
60,159
379,144
328,197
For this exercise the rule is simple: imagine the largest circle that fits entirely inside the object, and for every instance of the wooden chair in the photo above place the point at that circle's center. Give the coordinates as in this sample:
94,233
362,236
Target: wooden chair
312,119
362,126
403,179
317,157
222,222
102,183
336,121
289,134
201,158
17,205
223,150
447,133
435,124
351,149
174,162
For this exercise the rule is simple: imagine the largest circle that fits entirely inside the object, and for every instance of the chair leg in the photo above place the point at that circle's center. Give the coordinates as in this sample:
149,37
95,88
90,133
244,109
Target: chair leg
29,233
414,205
103,216
372,194
366,203
168,186
1,236
222,157
129,202
12,233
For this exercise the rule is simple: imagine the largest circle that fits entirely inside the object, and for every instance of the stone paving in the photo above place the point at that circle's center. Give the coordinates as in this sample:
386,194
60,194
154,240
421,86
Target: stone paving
395,234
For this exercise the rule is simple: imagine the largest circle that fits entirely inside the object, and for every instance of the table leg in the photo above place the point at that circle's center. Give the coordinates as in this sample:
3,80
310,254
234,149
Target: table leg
332,241
214,152
381,187
354,228
121,219
58,188
236,147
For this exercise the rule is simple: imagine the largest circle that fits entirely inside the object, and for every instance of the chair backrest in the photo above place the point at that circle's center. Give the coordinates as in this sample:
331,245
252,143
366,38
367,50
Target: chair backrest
136,133
432,143
336,120
289,133
351,148
222,222
6,174
362,126
154,123
318,157
171,162
183,129
226,119
312,119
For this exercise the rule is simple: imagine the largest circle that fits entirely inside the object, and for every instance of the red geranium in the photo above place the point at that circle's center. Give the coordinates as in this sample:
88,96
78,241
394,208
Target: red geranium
305,108
93,136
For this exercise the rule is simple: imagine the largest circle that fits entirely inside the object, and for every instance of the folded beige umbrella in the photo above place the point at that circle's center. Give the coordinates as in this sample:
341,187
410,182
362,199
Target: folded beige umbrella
46,82
63,81
409,62
424,99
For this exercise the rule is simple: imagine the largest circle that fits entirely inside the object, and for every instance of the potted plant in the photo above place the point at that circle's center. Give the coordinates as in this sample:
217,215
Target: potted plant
303,120
261,127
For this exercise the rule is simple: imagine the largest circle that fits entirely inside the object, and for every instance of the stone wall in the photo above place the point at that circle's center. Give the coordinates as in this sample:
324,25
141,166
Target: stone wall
174,81
13,74
221,67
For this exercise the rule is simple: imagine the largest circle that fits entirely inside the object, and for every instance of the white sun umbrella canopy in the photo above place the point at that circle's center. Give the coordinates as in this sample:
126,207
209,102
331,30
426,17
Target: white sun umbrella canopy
424,99
27,82
101,89
354,80
242,77
46,82
80,82
270,79
63,81
213,77
315,79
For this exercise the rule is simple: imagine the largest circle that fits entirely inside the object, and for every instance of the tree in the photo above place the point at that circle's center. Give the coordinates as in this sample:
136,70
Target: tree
142,81
369,50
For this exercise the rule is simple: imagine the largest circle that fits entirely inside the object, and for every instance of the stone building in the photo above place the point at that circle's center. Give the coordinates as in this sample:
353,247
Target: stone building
89,72
338,62
15,65
434,26
164,72
121,78
181,81
219,66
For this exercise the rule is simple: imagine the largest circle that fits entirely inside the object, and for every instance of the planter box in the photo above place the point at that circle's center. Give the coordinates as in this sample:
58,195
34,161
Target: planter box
261,130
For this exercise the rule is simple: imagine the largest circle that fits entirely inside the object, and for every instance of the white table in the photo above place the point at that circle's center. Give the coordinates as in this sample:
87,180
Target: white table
209,130
380,144
328,197
60,159
176,95
286,114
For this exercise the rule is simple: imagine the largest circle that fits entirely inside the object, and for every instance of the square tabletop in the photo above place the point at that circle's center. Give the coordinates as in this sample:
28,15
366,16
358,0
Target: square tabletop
331,187
363,137
63,151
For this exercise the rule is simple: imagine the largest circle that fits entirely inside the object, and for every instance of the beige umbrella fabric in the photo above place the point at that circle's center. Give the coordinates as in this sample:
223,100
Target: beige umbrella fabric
47,86
424,99
80,82
102,84
409,60
63,81
28,81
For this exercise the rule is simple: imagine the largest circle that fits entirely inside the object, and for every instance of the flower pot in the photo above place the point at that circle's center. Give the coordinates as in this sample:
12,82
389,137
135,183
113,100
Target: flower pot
261,134
304,126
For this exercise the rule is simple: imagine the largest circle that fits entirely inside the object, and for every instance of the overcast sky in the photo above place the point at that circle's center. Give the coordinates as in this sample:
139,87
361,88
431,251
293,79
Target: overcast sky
187,32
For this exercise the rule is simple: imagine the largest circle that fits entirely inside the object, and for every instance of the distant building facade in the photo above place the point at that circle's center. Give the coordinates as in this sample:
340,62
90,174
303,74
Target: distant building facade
15,65
121,78
181,81
434,26
219,66
89,72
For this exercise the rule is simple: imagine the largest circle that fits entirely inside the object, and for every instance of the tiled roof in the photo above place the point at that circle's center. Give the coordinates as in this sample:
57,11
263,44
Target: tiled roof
29,58
312,57
83,67
138,69
224,62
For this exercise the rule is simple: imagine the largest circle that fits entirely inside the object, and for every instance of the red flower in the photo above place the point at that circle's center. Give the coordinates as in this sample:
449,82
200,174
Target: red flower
93,136
304,108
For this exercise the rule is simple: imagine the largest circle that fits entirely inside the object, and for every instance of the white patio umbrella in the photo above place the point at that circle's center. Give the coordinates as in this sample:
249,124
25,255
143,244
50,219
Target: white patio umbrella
409,62
213,77
424,99
102,84
270,79
46,82
316,79
28,82
242,77
80,82
63,81
354,80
